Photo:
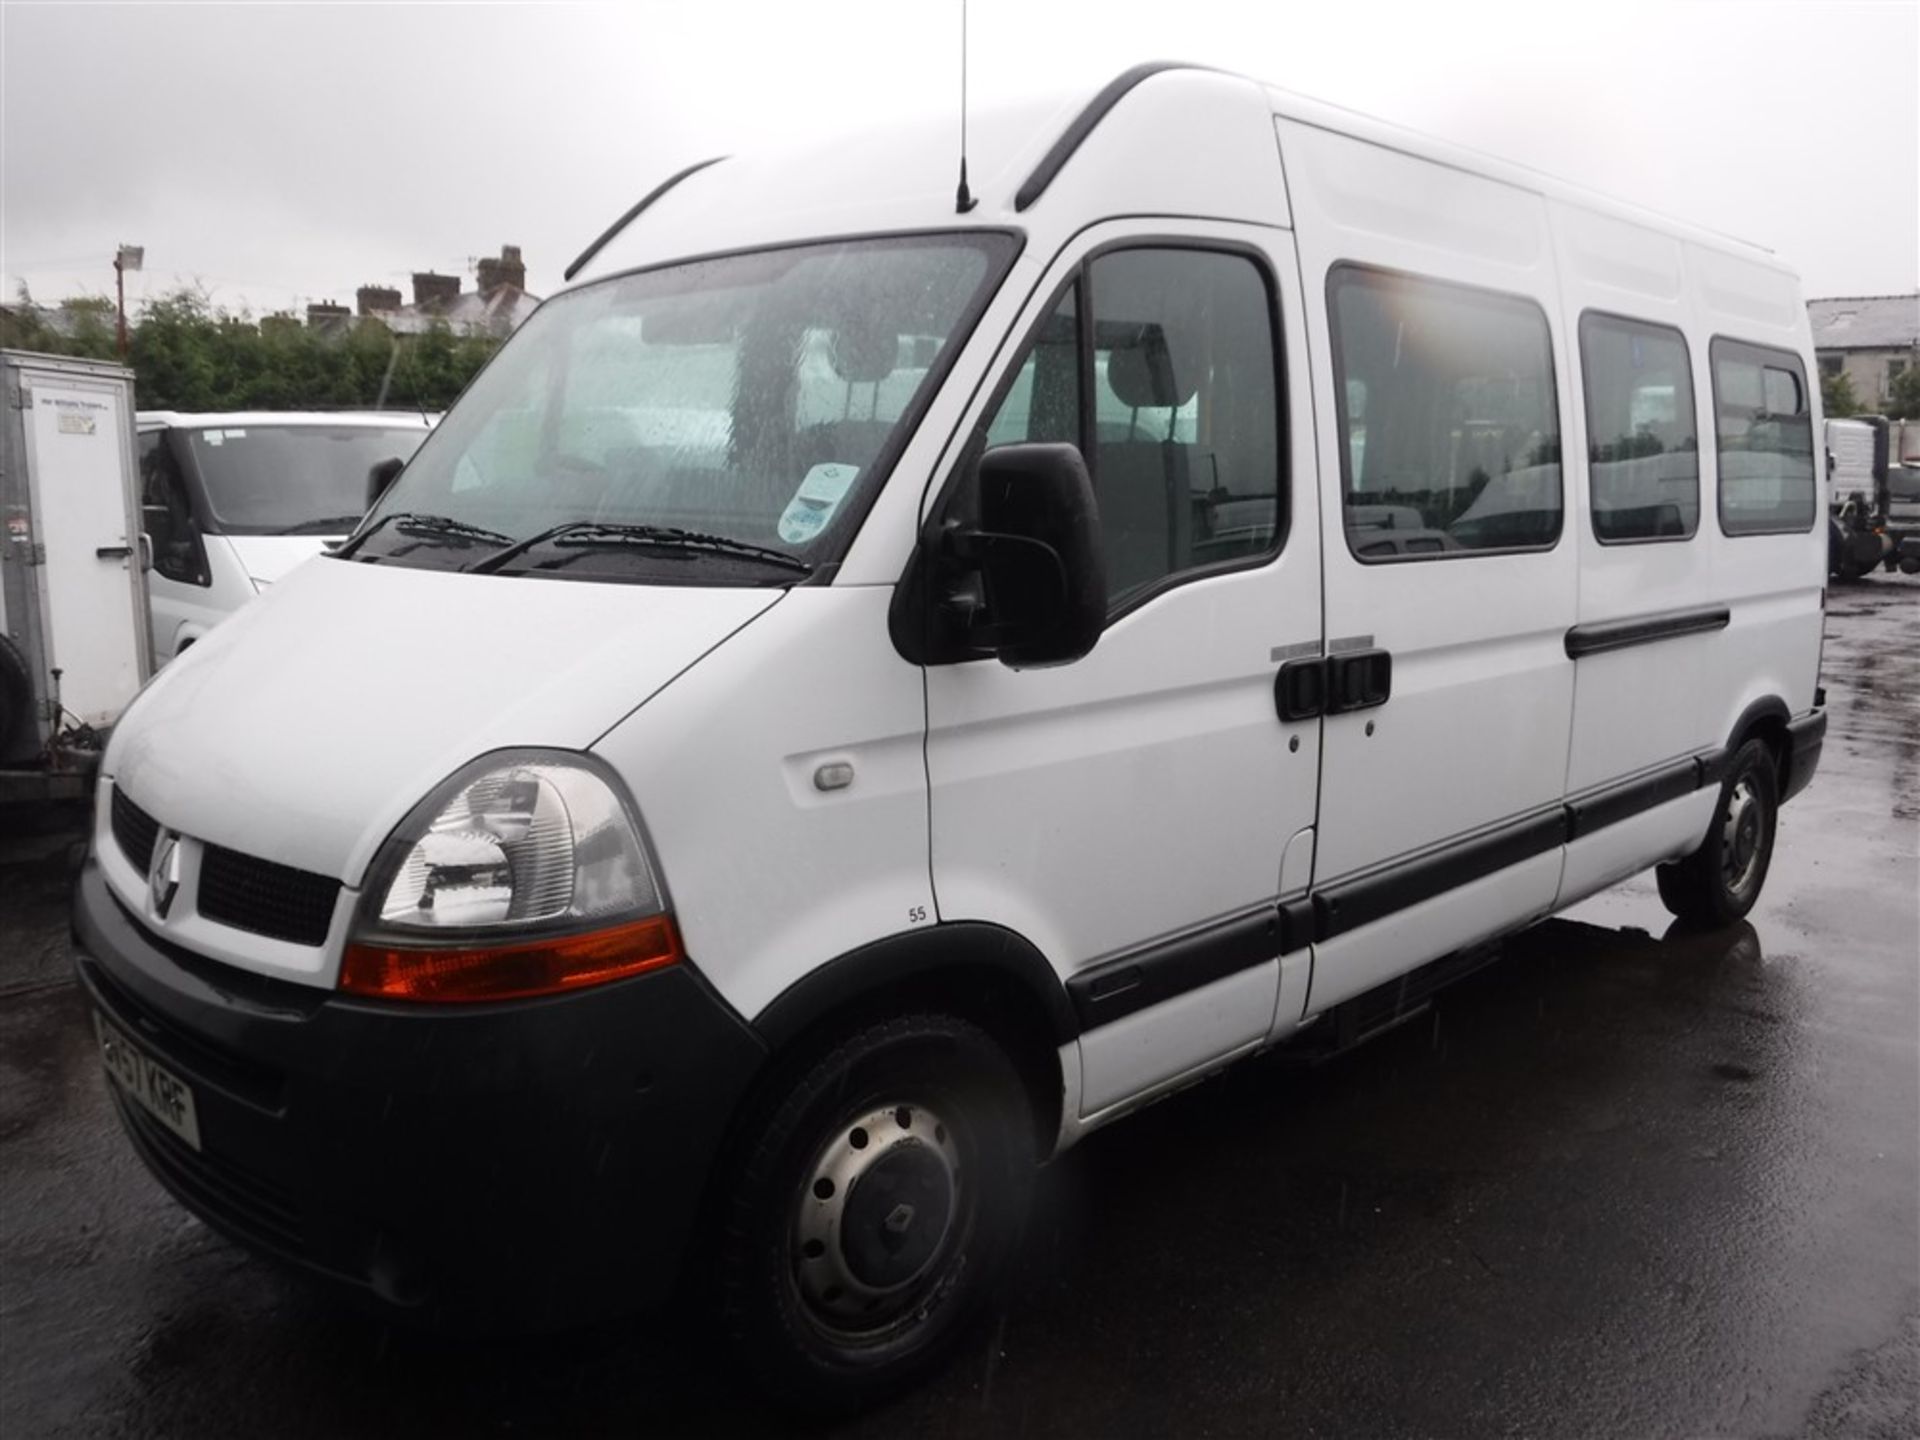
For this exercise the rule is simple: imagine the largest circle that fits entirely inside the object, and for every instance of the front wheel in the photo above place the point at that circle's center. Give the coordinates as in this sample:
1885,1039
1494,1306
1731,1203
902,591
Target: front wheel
1719,882
873,1208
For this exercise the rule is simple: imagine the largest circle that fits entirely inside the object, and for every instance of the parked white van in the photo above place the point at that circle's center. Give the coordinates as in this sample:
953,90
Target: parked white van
857,695
233,501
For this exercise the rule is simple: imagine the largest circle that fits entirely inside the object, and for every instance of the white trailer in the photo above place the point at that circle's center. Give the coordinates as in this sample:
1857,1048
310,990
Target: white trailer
74,641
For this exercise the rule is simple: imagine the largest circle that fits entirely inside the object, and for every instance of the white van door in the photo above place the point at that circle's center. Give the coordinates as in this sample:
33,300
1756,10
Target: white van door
1450,585
1129,813
91,590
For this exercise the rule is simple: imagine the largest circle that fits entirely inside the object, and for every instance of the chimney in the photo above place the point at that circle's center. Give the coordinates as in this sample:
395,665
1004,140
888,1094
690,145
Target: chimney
325,313
508,269
377,299
432,292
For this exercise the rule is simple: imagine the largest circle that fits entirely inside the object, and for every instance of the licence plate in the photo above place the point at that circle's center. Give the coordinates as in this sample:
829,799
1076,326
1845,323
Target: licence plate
152,1086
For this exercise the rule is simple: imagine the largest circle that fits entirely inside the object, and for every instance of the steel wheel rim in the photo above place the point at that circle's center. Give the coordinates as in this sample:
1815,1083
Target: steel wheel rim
1742,835
878,1218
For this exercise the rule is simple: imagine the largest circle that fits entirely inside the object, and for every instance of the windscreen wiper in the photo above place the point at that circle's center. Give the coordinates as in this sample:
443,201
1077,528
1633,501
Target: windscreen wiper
591,534
412,522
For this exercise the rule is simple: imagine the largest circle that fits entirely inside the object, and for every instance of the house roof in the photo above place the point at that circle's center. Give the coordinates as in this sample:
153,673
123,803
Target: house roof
496,312
1866,322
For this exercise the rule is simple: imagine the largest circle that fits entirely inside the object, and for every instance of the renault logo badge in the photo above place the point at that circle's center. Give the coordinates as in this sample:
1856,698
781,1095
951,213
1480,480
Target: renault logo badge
163,881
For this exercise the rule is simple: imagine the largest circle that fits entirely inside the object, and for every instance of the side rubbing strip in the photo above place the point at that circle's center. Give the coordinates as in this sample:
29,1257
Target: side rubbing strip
1644,630
1055,160
1348,906
1597,809
1159,972
627,219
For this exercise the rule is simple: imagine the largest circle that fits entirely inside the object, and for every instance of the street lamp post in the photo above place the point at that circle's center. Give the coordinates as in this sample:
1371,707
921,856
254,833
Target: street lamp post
127,257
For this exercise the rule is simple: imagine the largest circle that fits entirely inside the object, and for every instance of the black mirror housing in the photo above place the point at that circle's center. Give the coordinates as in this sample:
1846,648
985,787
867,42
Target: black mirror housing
381,476
1039,555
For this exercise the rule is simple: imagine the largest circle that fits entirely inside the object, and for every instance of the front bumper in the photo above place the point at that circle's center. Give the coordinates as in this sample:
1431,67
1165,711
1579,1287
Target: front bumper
522,1164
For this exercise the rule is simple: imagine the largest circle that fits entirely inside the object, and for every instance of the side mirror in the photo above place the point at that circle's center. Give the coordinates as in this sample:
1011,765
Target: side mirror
1038,554
381,477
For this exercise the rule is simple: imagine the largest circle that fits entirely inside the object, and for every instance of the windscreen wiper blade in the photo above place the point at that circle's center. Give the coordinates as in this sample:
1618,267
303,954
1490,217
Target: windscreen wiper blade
589,534
413,522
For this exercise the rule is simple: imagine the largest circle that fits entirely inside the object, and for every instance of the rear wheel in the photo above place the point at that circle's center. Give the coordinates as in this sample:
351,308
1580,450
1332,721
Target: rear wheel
1720,881
873,1208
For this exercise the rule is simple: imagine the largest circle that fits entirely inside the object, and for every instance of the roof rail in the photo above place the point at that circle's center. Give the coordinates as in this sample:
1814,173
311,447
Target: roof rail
1115,90
627,219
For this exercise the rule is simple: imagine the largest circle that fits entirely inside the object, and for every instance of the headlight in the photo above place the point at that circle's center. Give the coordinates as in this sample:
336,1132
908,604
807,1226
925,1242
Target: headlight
525,874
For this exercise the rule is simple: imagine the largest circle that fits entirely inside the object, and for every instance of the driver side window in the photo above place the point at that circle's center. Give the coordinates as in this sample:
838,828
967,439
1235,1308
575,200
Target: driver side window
178,553
1182,436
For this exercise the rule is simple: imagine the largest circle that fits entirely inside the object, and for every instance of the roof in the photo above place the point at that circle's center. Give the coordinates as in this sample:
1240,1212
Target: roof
1866,322
1137,158
495,312
240,419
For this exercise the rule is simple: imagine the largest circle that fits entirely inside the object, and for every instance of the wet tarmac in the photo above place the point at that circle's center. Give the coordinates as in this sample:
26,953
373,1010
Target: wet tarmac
1622,1183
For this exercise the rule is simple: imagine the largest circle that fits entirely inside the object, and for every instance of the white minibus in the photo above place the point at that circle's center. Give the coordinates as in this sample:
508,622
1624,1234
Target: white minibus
871,684
233,501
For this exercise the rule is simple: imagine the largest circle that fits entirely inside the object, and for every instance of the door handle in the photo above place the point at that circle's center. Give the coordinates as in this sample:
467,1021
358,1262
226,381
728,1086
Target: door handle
1332,684
1358,680
114,552
1300,689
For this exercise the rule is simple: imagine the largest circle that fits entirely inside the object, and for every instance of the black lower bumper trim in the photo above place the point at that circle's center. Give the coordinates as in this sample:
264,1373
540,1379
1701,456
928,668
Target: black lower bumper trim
523,1164
1806,738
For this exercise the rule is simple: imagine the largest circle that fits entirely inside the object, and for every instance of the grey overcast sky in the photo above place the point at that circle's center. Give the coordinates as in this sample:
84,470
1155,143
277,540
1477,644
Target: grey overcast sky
280,153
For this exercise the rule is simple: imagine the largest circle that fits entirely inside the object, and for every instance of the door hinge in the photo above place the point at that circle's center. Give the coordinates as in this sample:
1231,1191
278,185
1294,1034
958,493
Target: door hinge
19,396
36,553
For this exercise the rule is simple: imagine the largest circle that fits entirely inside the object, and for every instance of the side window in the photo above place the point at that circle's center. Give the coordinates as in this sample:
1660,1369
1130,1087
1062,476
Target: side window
1643,440
1185,443
1447,406
1765,435
178,553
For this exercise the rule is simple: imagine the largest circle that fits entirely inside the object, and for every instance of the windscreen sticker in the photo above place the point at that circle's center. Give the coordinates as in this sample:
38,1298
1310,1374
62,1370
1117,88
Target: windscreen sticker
815,501
212,437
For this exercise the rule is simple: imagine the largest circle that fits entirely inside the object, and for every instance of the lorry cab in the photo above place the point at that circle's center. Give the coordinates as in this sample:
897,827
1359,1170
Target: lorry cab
233,501
870,685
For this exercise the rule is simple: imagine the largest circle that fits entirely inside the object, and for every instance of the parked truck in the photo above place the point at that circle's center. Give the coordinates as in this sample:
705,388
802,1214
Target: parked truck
1872,515
74,642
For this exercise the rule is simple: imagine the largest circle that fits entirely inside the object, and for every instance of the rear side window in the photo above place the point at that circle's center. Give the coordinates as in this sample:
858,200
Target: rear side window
1449,418
1765,434
1181,391
1643,440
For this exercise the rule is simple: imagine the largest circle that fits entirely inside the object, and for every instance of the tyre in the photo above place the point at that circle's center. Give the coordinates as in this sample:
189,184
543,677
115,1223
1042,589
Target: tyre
874,1202
1719,882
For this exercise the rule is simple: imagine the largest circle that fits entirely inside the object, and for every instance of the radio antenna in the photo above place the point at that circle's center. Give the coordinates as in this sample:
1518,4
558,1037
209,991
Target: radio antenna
963,200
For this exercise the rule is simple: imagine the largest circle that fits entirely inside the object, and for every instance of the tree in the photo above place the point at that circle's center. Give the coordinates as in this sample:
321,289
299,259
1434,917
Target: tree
1905,391
187,354
1836,395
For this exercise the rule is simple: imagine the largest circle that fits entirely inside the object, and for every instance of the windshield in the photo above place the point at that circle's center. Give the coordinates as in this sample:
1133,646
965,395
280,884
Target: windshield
279,479
752,403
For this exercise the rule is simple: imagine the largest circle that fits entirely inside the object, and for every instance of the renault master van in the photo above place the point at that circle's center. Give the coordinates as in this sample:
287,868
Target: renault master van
233,501
869,686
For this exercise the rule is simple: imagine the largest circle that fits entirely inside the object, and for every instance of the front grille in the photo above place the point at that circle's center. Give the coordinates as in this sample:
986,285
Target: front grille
277,901
229,1195
134,829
